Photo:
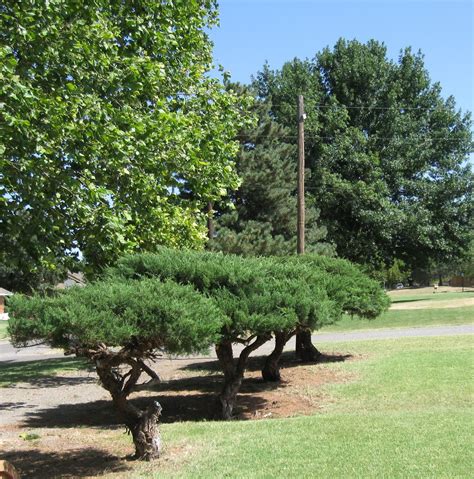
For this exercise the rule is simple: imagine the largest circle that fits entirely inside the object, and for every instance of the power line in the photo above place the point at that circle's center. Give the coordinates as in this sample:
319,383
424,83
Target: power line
401,109
371,137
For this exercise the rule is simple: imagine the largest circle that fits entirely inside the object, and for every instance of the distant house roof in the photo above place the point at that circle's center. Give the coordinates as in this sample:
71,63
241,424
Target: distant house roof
4,292
72,279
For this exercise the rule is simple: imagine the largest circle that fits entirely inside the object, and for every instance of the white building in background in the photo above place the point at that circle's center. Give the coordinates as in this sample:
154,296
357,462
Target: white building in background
3,294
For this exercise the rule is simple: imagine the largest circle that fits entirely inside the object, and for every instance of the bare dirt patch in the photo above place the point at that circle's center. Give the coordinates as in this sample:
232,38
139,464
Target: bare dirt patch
78,435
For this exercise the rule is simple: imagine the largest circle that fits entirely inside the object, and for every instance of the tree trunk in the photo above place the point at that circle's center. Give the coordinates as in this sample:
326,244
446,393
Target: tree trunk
228,396
232,381
145,433
271,369
305,350
142,424
234,371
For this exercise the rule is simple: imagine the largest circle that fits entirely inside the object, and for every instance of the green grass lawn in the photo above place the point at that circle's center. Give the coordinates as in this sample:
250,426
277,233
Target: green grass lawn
25,371
408,298
406,318
405,412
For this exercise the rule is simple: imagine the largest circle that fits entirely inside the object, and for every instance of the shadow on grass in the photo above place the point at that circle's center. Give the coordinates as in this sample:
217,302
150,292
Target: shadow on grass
184,399
42,372
87,462
398,301
10,406
256,363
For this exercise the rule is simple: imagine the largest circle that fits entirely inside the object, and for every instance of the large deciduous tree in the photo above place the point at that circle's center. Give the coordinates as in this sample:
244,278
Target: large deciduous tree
387,153
106,110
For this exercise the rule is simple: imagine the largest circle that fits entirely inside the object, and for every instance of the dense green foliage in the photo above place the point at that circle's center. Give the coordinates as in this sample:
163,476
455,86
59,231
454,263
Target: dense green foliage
258,295
148,314
262,220
106,113
183,301
352,290
266,294
387,154
153,296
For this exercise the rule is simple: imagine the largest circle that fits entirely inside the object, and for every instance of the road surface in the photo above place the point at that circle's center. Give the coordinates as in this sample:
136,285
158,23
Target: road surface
35,353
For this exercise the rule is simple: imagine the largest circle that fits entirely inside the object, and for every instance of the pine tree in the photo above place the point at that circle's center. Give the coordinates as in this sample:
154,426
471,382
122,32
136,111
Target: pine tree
262,217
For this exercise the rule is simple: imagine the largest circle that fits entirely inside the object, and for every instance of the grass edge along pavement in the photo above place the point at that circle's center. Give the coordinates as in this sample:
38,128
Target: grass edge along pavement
406,411
413,318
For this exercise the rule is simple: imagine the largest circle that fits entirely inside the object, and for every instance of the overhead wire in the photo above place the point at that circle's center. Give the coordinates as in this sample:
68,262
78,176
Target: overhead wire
324,137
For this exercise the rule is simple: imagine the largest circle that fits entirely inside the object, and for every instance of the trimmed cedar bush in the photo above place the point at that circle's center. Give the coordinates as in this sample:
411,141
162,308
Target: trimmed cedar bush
258,295
351,292
264,297
183,302
119,325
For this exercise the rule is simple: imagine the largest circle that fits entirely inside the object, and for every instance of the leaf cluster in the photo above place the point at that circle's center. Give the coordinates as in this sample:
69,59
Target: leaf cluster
388,155
107,113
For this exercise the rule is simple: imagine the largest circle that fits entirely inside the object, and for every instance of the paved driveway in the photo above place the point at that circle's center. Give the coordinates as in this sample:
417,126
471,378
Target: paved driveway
35,353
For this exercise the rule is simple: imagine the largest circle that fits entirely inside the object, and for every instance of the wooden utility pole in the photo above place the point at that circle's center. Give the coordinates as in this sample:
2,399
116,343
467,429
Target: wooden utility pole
210,221
305,349
301,214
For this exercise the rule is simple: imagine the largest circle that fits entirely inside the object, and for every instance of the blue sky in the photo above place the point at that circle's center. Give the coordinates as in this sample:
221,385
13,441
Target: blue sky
253,31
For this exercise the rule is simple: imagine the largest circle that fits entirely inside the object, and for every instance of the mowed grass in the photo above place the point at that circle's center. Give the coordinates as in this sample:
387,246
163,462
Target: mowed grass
444,296
406,318
405,411
11,373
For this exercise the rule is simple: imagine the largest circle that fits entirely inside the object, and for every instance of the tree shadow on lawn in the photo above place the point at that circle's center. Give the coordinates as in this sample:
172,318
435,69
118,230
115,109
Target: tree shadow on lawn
56,381
83,462
183,399
177,407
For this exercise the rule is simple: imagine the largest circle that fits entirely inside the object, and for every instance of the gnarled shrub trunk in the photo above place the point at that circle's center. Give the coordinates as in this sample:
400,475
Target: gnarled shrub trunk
145,433
305,349
271,368
142,424
234,371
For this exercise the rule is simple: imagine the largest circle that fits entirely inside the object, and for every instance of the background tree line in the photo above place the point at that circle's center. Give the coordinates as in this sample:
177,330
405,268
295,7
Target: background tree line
114,139
388,180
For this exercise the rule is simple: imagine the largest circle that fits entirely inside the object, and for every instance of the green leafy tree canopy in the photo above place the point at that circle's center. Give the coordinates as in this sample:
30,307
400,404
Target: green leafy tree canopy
106,111
387,153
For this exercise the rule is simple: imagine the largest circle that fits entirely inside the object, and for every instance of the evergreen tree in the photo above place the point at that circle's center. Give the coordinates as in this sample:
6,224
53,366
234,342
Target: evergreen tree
387,152
262,216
